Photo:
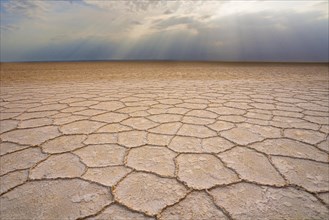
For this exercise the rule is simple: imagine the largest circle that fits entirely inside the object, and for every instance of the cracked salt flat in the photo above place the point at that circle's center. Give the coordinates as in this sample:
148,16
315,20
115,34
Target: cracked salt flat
167,148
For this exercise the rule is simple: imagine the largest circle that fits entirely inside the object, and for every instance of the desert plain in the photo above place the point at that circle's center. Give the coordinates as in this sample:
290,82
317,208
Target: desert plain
164,140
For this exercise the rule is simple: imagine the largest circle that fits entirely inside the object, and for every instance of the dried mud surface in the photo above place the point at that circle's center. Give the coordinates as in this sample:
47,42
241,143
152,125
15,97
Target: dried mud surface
164,140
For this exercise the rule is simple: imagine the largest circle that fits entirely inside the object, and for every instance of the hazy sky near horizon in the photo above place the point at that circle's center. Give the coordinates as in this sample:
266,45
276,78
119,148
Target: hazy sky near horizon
262,30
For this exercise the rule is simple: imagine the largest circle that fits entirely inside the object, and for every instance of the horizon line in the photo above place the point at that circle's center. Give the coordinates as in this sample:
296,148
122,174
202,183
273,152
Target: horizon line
166,60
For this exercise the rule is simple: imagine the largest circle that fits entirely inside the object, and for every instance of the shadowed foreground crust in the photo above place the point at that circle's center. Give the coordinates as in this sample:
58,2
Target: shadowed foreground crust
56,199
268,203
166,140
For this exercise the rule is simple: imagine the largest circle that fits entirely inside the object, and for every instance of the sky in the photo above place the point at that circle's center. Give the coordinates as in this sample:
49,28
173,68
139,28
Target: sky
68,30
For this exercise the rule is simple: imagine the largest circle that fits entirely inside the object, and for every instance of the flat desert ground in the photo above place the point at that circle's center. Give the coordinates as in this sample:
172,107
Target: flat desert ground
164,140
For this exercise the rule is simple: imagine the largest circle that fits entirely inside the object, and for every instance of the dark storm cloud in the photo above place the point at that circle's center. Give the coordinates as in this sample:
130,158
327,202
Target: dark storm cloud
172,21
281,36
185,30
254,36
